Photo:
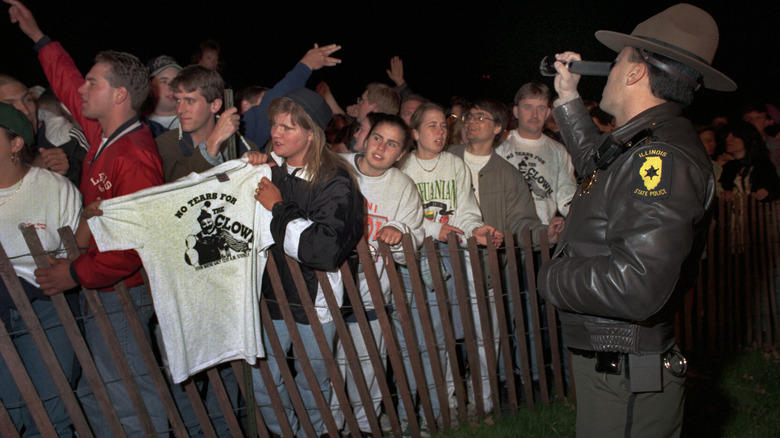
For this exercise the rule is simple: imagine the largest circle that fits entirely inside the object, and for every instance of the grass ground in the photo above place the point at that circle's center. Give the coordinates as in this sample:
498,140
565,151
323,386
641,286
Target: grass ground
733,396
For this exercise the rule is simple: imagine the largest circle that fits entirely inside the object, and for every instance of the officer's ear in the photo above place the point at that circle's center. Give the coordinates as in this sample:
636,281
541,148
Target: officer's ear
637,72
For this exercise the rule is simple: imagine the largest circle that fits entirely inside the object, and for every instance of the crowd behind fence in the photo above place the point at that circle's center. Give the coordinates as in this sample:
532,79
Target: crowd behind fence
733,304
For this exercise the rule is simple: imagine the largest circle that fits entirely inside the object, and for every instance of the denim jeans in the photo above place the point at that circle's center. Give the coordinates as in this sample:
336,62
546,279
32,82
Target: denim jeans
371,379
9,393
317,363
108,371
438,333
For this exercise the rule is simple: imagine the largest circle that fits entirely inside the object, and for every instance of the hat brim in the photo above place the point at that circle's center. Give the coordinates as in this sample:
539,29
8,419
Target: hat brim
712,78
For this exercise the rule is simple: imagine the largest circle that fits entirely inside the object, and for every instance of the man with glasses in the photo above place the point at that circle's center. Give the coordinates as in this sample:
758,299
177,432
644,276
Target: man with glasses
503,197
544,162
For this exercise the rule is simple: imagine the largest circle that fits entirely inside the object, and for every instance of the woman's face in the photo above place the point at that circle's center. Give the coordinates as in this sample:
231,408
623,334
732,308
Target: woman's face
708,140
735,146
384,146
291,142
431,135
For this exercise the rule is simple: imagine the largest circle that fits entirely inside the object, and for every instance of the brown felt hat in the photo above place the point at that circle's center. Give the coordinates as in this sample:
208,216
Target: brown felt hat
684,33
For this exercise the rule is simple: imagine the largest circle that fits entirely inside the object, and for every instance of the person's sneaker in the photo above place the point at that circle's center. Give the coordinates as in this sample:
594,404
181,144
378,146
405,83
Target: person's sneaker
424,427
406,428
384,423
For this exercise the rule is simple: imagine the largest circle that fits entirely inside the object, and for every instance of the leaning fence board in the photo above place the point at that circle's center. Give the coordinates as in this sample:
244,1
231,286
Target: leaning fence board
530,272
401,308
519,322
45,349
485,321
353,363
287,378
503,329
301,357
88,367
26,387
380,307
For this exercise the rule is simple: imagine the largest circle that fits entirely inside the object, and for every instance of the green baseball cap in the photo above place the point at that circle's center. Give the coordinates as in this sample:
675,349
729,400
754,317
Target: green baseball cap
13,119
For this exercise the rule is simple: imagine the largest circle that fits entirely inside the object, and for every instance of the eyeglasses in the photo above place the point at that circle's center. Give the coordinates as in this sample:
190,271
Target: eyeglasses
477,119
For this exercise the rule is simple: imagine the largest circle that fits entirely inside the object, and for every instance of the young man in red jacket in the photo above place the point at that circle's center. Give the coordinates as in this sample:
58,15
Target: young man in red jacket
122,159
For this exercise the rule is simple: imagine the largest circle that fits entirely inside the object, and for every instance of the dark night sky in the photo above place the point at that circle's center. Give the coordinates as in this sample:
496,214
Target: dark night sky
447,47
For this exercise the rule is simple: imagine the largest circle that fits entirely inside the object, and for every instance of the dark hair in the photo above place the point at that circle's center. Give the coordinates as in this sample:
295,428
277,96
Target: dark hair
392,120
250,93
197,77
126,70
754,145
497,110
531,90
667,86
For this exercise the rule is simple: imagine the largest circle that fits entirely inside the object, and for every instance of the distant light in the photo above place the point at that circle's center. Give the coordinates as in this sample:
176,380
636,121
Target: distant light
485,76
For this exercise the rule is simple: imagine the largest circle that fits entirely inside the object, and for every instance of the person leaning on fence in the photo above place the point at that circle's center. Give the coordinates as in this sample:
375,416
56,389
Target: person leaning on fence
32,196
449,205
637,228
122,159
505,202
317,220
389,215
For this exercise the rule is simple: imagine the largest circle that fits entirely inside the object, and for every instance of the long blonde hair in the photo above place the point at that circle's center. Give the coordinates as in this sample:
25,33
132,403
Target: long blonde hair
320,163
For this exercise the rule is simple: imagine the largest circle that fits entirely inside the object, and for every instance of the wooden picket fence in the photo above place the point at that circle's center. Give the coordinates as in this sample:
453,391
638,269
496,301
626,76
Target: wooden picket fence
734,304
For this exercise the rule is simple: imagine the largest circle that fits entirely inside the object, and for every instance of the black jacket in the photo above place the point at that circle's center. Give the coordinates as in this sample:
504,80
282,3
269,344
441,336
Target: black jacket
335,209
633,238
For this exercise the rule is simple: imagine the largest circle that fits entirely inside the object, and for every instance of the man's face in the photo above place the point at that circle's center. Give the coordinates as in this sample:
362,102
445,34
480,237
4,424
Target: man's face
164,102
532,114
196,116
616,81
19,96
97,95
408,108
364,106
361,134
209,59
480,132
206,224
757,119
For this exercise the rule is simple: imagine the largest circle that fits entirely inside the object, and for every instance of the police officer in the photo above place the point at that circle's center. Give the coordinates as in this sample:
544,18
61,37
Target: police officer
637,226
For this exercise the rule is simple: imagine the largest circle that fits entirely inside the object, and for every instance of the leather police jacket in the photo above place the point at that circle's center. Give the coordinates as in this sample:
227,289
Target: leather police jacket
634,235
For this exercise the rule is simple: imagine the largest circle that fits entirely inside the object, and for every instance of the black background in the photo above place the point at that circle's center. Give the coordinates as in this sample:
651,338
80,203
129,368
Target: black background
474,49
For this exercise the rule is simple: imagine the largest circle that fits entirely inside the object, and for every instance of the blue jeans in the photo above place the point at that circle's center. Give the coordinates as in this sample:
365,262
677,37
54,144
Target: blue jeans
9,393
438,332
108,371
262,398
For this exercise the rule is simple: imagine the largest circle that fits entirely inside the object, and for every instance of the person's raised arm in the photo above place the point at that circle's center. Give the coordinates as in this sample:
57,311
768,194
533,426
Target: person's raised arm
21,15
323,90
256,118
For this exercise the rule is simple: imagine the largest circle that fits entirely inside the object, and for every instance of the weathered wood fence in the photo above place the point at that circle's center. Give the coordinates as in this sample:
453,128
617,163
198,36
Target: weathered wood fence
733,304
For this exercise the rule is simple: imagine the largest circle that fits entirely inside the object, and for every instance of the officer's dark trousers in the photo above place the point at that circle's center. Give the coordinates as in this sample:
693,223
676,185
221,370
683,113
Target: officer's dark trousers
607,408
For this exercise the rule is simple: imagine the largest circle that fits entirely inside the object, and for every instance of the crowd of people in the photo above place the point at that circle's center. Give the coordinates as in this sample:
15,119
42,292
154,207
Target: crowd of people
91,148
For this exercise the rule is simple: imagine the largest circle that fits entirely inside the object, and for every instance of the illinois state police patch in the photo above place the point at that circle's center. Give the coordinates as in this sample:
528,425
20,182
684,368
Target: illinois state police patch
652,172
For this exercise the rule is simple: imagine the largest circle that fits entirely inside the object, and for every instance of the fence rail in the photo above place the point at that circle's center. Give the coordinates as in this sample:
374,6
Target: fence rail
506,328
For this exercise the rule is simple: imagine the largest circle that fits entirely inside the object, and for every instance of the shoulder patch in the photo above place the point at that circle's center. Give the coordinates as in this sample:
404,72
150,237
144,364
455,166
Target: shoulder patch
652,175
